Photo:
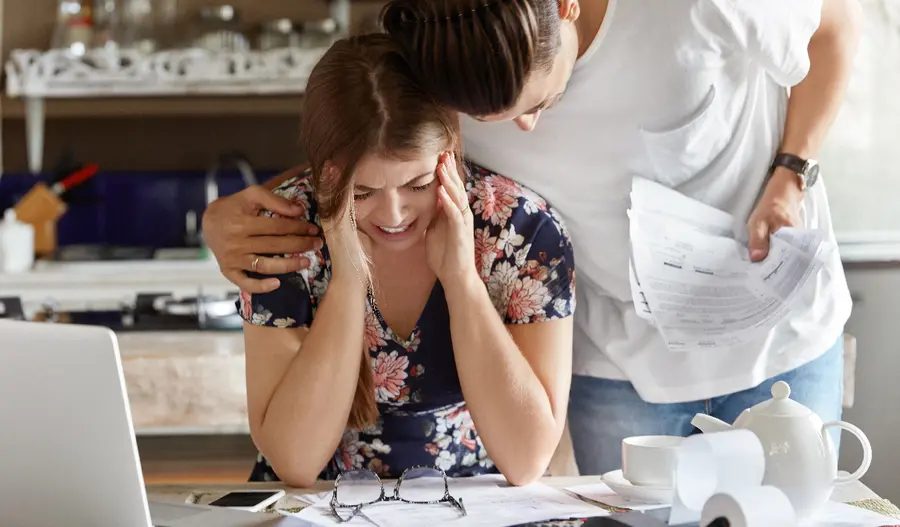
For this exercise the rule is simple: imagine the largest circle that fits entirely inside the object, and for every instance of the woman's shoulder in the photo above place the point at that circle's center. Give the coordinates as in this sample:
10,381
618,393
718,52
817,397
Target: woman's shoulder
523,252
498,202
299,190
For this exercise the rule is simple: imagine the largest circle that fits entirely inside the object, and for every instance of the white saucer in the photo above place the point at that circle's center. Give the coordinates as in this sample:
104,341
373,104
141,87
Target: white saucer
621,486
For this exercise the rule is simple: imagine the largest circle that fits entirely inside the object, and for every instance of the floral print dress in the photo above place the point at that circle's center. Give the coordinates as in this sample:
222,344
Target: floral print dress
524,256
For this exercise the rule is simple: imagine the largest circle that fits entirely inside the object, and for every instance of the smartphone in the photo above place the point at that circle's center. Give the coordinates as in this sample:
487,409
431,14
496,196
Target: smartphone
249,500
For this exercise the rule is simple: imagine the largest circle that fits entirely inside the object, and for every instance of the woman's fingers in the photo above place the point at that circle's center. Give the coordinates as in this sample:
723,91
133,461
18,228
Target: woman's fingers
450,208
452,185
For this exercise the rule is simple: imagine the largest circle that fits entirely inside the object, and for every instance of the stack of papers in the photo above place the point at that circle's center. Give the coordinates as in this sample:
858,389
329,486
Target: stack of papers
489,502
691,274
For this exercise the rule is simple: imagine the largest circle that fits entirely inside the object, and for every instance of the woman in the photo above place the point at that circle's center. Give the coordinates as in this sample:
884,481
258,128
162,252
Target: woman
434,327
692,94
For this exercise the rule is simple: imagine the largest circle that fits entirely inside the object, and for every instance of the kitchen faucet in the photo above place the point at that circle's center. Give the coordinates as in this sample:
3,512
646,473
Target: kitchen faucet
242,164
212,190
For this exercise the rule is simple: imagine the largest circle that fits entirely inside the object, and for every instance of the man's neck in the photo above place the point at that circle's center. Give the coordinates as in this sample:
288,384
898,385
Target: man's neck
589,21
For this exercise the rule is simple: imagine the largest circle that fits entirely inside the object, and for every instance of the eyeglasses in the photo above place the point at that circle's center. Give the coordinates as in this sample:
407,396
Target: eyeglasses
420,485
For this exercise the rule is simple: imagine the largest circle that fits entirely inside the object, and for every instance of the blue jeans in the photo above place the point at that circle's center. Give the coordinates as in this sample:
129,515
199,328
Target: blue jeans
603,412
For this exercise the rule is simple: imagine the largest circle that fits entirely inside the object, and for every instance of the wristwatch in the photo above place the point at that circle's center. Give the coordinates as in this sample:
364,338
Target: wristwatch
806,169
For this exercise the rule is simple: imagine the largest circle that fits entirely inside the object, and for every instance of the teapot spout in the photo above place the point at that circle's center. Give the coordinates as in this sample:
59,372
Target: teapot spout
708,424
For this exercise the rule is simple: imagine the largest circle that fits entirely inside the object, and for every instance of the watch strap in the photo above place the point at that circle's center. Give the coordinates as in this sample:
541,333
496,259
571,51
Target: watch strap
790,161
797,165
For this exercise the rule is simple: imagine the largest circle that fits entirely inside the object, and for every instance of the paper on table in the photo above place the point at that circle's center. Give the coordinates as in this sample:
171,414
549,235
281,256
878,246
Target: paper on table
319,511
310,499
601,493
835,514
709,464
487,507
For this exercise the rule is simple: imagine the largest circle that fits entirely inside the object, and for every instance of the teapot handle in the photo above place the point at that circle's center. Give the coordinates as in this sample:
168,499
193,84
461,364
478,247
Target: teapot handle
866,446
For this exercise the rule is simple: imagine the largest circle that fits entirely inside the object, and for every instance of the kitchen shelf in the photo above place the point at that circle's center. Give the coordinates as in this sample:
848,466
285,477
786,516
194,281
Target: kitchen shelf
107,83
32,74
277,105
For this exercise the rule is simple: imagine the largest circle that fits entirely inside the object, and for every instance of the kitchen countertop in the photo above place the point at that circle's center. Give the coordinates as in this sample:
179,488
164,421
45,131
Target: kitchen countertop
180,343
108,284
185,382
77,286
876,252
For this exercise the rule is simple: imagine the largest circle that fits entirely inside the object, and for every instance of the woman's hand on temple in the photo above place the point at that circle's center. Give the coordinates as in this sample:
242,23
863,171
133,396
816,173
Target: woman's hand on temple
347,246
449,241
237,235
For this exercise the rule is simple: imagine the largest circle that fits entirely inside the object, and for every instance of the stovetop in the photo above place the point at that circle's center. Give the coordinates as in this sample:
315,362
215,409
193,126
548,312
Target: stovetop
150,312
90,253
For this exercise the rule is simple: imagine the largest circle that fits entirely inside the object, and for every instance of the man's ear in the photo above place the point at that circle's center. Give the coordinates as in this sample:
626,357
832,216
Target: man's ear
569,10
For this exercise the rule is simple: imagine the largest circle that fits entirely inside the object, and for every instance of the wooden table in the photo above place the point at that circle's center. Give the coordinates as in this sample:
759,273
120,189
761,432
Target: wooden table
855,492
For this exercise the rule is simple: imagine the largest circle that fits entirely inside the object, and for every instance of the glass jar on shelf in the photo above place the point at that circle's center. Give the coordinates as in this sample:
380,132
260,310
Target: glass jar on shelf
277,34
320,33
74,30
137,28
219,30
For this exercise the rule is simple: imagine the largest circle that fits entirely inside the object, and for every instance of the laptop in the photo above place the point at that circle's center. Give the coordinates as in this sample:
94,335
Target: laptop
68,454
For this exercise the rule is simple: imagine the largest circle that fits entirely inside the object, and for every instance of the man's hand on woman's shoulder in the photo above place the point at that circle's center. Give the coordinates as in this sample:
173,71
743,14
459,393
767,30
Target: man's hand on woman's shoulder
238,236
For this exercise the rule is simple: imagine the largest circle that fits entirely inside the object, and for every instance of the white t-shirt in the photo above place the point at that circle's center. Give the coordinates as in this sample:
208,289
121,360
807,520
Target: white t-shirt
692,94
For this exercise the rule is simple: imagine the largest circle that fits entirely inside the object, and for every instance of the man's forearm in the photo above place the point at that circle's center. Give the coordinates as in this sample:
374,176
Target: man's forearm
814,103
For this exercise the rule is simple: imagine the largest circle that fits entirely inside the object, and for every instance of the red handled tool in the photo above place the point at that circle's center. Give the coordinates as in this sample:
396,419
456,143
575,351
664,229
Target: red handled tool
75,178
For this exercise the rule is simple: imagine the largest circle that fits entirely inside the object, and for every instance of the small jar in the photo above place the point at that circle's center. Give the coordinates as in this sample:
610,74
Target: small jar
277,34
219,30
319,33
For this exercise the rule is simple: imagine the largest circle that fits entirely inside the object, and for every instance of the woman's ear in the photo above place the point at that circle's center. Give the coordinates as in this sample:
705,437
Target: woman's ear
331,174
569,10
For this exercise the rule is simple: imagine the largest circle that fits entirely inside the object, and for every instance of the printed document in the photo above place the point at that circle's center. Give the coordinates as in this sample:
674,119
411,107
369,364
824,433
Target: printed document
489,502
691,274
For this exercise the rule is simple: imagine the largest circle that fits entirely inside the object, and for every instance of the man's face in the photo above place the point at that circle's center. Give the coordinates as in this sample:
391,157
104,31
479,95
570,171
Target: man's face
544,88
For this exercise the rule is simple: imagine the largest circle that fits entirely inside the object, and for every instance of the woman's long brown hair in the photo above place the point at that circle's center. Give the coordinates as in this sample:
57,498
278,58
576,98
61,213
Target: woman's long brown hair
362,98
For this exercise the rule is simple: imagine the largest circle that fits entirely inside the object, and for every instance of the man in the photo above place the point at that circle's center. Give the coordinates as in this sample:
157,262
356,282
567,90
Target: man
690,93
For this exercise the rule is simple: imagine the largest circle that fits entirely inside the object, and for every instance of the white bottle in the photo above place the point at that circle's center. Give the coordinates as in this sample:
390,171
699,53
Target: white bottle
16,244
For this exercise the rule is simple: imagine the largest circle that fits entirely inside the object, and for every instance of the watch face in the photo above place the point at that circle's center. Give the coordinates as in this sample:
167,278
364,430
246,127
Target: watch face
812,173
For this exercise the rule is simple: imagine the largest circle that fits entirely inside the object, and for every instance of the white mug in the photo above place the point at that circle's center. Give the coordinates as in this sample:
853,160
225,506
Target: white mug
649,461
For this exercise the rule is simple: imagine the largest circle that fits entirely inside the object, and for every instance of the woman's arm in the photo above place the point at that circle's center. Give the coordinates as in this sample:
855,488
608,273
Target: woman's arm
515,380
301,382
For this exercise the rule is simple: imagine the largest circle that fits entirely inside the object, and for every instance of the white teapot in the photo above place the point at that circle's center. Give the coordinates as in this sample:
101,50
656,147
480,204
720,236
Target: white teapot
800,456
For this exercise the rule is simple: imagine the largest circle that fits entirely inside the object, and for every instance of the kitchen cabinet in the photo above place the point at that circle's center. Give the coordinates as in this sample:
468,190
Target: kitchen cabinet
185,382
875,288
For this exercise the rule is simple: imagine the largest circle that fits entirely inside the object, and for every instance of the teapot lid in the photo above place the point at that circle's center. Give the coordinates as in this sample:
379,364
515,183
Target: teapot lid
781,404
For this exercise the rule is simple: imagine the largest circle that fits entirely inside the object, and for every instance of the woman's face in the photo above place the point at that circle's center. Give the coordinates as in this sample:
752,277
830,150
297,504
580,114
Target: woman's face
395,200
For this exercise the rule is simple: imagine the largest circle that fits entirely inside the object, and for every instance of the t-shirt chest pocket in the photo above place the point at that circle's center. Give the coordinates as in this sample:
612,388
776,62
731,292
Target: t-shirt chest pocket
680,153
